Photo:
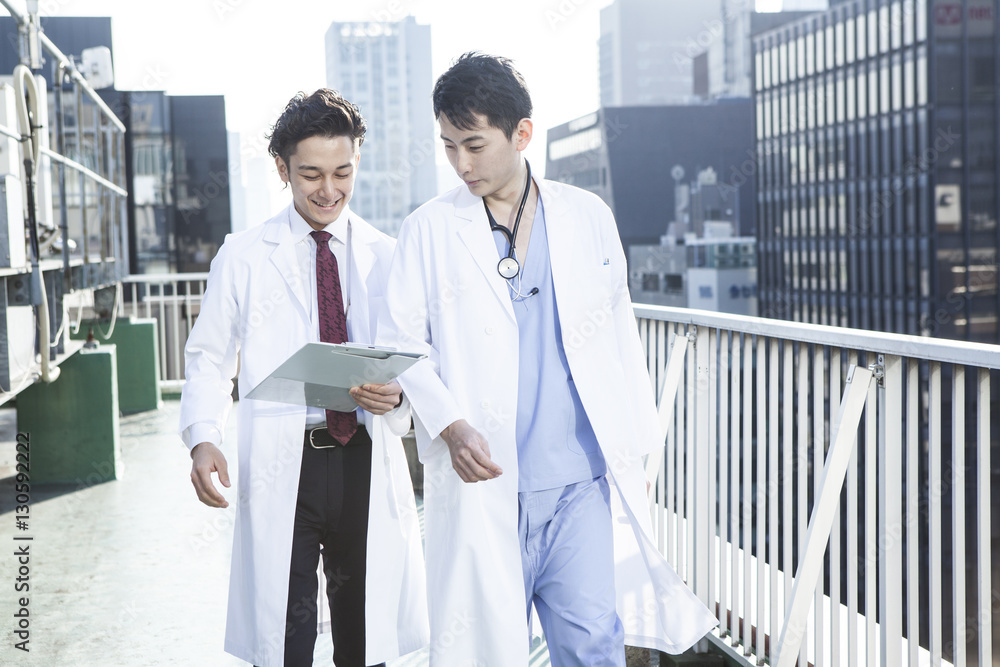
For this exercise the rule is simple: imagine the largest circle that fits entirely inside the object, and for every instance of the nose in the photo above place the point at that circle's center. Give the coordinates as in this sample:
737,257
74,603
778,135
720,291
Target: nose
327,188
464,162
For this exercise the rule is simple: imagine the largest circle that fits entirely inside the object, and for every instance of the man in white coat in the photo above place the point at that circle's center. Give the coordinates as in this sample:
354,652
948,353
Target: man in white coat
534,408
313,485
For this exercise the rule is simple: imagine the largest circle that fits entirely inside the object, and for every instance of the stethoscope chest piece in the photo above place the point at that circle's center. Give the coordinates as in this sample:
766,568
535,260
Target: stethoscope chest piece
508,267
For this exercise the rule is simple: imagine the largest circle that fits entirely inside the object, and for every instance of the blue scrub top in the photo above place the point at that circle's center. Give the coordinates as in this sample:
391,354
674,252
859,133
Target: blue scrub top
556,444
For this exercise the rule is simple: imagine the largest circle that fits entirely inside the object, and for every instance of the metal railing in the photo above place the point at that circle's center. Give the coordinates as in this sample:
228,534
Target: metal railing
174,301
817,535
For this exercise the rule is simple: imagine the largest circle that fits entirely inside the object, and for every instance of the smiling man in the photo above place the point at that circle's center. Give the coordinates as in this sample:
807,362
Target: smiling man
316,487
534,407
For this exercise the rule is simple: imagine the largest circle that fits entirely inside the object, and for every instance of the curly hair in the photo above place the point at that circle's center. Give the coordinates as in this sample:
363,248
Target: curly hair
481,84
325,113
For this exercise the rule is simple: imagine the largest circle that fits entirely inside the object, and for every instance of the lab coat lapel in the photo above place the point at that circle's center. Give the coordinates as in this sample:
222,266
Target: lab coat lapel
475,234
562,242
362,261
284,260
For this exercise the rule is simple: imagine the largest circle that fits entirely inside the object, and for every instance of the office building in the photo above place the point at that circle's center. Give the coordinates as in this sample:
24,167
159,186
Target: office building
698,263
877,139
631,158
385,68
646,49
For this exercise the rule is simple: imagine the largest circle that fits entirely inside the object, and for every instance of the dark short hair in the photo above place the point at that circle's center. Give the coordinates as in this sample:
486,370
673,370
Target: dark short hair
325,113
480,84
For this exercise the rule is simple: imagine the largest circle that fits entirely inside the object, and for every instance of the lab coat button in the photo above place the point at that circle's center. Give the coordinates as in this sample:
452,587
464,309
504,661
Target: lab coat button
489,331
485,405
387,460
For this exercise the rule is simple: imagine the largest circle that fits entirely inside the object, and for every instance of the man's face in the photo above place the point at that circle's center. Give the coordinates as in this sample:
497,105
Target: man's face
484,157
321,173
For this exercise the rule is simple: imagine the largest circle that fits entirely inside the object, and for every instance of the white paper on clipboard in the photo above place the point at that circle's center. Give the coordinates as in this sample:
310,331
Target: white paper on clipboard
319,374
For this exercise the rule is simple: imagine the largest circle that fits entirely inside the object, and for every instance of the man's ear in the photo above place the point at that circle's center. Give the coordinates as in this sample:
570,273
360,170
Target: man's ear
282,168
522,133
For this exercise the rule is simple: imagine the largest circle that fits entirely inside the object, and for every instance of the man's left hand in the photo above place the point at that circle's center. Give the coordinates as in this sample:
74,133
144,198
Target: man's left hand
378,399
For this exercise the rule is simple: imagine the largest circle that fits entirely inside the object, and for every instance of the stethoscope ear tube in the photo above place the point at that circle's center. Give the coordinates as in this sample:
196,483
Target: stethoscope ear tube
509,267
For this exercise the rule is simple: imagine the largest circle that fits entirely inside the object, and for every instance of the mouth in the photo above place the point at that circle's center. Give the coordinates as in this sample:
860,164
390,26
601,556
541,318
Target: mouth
325,207
472,183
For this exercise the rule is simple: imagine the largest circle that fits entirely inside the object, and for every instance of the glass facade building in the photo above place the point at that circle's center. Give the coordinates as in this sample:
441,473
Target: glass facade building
876,139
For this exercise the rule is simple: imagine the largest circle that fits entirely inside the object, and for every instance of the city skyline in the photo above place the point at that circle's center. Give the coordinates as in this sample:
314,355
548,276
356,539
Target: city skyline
232,48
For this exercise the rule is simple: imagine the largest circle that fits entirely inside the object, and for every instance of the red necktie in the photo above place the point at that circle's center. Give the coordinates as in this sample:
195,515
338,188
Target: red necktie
332,325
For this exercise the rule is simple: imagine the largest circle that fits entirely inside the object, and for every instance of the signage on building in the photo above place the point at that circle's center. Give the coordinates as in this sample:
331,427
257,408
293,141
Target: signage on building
979,18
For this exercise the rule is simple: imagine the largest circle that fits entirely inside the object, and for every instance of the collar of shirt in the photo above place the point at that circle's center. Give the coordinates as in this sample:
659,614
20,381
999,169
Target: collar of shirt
338,228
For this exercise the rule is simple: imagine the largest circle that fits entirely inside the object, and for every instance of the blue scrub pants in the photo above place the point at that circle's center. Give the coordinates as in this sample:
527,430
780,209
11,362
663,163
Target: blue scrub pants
567,555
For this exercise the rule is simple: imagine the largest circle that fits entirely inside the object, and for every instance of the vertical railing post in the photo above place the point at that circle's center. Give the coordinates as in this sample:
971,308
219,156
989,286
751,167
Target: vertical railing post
890,514
703,503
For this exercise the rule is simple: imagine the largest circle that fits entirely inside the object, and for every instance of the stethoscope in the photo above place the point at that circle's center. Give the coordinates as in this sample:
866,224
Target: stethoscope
508,267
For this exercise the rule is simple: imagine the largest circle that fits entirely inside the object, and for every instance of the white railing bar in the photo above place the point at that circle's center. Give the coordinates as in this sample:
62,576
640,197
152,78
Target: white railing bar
851,523
787,477
913,518
984,617
890,515
802,472
747,458
73,164
958,514
175,326
773,431
871,526
668,397
166,277
670,481
934,537
690,467
821,522
734,477
836,566
708,451
725,463
760,506
959,352
818,458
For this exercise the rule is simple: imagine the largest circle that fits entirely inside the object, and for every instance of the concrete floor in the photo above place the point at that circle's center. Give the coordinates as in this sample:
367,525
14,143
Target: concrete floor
130,572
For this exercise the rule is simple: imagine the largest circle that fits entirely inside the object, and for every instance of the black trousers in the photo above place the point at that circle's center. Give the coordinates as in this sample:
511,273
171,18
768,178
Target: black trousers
331,522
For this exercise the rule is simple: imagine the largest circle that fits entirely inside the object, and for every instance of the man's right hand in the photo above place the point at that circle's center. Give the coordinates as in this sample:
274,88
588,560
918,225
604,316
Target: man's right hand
207,459
470,453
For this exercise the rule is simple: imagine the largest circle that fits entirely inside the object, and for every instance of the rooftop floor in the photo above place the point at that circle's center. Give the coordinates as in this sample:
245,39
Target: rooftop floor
130,572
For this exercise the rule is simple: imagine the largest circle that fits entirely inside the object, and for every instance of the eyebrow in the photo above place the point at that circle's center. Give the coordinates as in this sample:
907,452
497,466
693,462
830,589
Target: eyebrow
309,167
475,137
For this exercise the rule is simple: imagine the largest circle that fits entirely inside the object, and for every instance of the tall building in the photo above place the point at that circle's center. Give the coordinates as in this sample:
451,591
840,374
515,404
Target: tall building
646,49
385,68
631,158
876,131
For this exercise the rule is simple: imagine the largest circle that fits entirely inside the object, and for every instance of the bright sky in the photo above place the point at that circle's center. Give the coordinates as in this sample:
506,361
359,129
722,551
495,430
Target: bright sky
258,53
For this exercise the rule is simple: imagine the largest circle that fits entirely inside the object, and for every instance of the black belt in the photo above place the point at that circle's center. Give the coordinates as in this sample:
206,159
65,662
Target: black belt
320,438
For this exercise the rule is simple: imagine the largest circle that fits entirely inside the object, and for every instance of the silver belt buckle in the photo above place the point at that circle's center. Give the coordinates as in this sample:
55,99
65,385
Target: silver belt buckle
312,443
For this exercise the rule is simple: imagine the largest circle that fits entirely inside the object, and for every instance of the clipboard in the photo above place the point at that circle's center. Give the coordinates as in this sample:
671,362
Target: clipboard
319,375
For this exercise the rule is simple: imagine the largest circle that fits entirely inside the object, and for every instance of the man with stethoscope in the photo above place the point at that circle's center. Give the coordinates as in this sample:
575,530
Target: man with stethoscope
534,407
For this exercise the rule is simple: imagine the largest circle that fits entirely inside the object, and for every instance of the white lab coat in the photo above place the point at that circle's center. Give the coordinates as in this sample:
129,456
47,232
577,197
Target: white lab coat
445,298
255,306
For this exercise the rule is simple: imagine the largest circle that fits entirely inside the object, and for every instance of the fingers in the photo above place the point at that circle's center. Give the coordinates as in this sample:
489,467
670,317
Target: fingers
208,459
377,399
472,462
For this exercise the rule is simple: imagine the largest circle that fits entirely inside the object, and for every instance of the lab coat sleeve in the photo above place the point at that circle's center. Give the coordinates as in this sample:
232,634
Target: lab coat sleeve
210,356
640,392
398,419
406,325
